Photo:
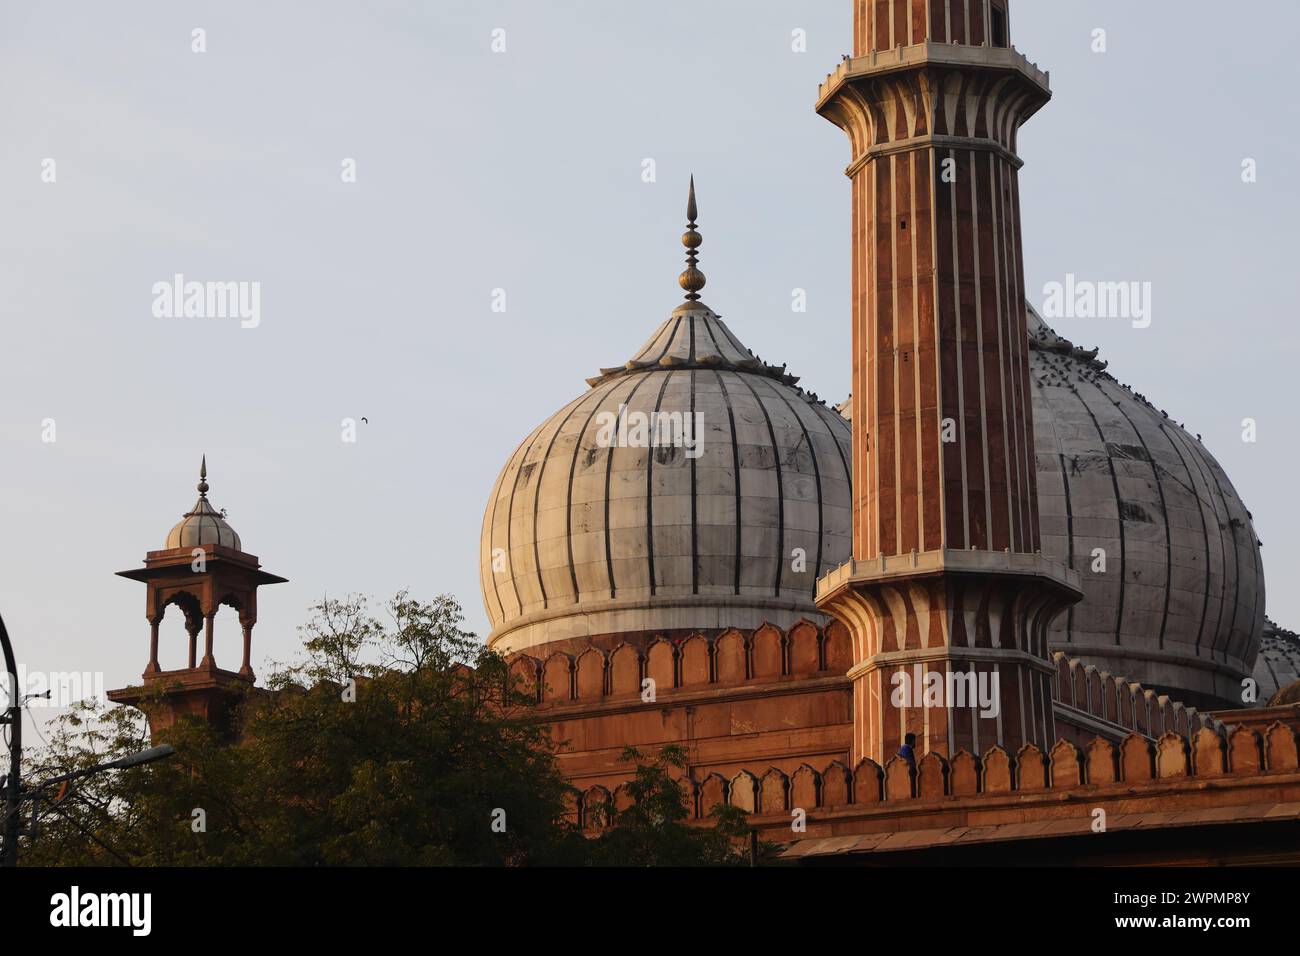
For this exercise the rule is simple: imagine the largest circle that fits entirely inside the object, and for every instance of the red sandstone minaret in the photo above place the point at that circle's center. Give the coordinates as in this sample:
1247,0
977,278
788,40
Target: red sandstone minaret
946,576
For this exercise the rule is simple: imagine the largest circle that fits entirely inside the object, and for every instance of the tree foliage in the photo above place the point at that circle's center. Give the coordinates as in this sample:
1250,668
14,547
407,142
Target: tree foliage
653,830
397,739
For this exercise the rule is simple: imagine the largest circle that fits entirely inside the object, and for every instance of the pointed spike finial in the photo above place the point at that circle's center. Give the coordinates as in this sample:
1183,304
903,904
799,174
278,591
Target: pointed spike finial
203,478
692,279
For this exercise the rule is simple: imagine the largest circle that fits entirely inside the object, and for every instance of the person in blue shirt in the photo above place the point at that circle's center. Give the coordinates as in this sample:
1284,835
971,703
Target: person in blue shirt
908,751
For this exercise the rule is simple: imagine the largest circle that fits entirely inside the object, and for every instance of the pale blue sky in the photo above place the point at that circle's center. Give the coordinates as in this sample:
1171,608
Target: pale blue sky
522,171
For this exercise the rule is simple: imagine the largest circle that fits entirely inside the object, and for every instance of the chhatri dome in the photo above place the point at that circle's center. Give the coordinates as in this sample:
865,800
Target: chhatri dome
203,524
586,534
590,530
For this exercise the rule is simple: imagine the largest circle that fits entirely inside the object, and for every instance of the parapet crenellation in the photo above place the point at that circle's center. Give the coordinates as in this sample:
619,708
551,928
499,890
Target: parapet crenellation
1111,733
732,656
1135,764
1113,707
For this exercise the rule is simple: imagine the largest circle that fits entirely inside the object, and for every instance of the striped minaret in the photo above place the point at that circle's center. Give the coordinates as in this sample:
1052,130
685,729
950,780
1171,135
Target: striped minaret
947,594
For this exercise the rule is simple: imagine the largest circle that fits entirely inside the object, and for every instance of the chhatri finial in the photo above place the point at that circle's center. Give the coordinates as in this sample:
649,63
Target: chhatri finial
692,280
203,478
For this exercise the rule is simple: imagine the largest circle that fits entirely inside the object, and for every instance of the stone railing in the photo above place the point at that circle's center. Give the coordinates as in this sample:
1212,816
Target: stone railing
1122,706
1135,763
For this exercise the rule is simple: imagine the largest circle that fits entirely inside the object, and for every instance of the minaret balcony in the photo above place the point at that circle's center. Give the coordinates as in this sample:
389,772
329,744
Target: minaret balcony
932,54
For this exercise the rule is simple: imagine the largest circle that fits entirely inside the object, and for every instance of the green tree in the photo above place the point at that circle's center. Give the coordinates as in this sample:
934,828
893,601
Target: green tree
654,829
396,739
393,742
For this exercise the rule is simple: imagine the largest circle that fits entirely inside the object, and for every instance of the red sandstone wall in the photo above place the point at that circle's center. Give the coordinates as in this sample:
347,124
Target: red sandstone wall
732,698
766,720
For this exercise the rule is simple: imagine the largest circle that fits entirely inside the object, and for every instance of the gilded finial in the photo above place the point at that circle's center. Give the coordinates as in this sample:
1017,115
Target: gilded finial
203,478
692,279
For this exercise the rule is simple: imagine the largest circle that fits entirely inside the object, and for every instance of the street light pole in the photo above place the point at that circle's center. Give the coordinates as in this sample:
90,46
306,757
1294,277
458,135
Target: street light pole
13,717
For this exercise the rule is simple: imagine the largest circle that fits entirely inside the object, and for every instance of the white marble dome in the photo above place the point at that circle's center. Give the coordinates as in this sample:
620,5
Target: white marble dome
589,530
1180,605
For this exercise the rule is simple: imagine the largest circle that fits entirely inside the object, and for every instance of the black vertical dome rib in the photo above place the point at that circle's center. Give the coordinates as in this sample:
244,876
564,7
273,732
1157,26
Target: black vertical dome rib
510,516
832,422
735,458
1205,534
1215,494
567,412
1119,515
695,515
1236,566
1069,541
492,522
1164,513
780,484
817,477
568,510
609,472
650,492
